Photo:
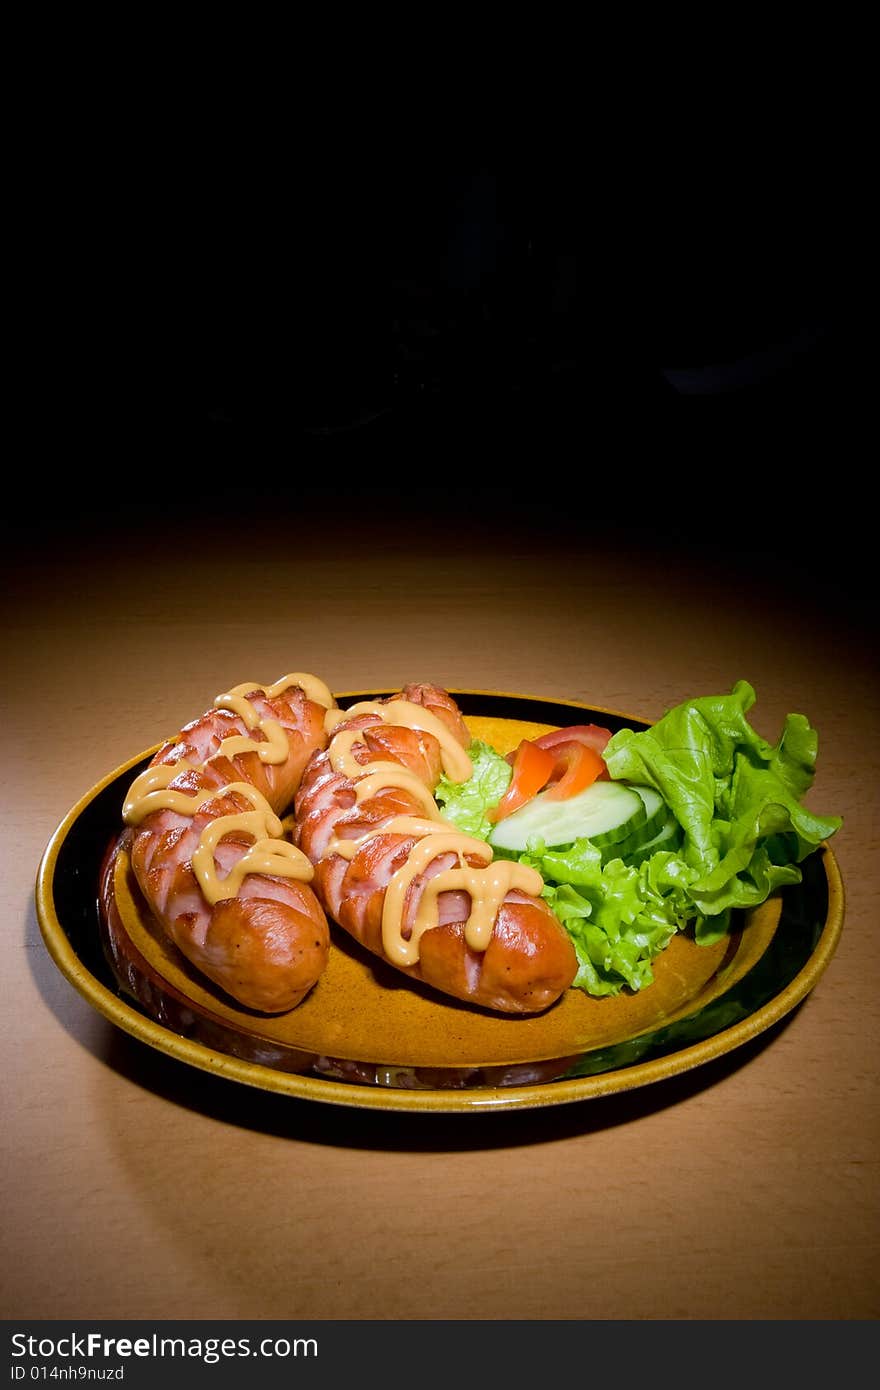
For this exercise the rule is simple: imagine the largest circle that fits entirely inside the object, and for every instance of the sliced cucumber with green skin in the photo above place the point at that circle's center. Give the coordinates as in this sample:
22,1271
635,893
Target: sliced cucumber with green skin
656,812
669,836
605,813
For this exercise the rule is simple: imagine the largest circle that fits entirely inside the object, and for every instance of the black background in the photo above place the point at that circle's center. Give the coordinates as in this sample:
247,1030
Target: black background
357,340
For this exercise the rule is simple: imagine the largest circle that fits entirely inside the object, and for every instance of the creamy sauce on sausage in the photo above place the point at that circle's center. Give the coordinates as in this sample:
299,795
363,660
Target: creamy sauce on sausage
149,792
487,884
274,746
409,715
268,853
347,848
381,774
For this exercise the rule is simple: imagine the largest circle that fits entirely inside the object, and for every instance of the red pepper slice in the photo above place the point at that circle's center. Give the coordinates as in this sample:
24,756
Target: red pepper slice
532,770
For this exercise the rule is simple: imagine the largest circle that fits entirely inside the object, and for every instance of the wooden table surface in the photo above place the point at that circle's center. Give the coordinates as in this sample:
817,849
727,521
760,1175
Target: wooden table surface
135,1187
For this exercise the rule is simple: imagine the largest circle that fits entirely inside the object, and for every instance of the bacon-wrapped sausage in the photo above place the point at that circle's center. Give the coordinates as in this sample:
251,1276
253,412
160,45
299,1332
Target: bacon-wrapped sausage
405,883
206,843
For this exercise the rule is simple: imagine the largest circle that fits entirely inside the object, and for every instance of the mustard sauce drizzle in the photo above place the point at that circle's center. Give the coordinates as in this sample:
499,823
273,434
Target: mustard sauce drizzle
268,854
486,884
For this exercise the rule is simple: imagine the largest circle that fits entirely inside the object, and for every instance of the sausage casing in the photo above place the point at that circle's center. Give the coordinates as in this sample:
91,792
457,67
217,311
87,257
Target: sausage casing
208,852
529,960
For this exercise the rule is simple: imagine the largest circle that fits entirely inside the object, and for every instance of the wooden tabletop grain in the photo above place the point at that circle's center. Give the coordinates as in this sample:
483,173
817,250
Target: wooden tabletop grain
135,1187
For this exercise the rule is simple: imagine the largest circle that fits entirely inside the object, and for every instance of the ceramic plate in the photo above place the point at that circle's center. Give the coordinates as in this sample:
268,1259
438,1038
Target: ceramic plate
368,1037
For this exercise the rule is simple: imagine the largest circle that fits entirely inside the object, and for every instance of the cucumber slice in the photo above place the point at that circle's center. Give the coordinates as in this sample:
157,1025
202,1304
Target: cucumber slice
669,836
656,812
656,809
605,813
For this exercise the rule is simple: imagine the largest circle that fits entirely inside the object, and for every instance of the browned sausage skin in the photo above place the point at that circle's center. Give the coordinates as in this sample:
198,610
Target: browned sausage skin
207,847
390,873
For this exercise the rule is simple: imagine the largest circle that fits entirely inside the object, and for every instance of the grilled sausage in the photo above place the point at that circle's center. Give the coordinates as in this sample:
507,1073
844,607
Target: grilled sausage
406,884
206,849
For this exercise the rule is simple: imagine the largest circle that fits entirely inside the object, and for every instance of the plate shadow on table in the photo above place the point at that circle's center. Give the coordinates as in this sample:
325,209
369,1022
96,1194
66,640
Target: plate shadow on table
341,1126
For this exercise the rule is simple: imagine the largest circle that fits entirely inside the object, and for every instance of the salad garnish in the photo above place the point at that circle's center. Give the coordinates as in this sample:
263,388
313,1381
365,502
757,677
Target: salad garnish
645,833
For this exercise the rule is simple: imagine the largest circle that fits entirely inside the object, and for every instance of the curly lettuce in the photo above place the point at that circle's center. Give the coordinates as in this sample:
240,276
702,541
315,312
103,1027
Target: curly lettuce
465,803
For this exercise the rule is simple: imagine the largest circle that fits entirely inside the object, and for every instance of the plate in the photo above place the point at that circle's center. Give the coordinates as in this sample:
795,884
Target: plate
368,1037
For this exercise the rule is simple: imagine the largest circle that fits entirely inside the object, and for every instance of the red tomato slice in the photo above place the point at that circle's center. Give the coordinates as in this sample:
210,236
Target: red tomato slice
577,765
532,770
593,735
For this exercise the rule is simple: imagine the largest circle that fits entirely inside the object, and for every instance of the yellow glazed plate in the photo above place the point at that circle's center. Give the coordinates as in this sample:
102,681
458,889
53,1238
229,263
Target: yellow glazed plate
368,1037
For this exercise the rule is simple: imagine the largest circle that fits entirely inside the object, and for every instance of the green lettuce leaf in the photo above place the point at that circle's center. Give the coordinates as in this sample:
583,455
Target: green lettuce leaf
465,803
619,917
736,796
